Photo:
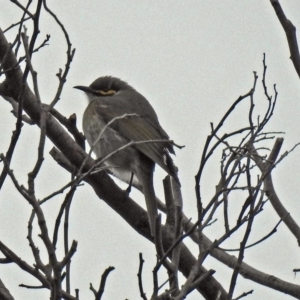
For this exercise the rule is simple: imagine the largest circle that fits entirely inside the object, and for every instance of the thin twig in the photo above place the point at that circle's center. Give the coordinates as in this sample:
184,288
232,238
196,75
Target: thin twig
139,275
98,294
23,8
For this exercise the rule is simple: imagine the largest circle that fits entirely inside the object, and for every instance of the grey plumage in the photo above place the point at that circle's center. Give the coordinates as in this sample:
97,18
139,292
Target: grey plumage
110,97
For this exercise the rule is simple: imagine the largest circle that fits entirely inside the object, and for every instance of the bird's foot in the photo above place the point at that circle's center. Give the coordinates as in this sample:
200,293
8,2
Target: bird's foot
128,190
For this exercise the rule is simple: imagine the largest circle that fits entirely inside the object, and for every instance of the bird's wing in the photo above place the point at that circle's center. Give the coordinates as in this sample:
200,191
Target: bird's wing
138,128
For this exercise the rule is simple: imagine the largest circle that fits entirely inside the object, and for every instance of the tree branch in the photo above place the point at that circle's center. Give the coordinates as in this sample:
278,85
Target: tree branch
290,31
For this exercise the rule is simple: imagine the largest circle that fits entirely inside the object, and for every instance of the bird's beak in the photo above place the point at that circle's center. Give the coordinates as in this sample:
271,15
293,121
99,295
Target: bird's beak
86,89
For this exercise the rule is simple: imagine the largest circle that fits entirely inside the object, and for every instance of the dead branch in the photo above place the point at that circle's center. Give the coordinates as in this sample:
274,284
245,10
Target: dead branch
290,31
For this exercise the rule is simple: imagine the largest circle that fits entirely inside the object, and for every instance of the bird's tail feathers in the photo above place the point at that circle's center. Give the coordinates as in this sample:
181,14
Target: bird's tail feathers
150,198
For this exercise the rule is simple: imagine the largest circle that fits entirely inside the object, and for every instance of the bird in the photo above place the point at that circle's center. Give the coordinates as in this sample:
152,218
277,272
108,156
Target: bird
117,115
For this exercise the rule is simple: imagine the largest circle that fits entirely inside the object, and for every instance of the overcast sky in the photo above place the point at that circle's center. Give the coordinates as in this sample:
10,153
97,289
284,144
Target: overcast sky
191,60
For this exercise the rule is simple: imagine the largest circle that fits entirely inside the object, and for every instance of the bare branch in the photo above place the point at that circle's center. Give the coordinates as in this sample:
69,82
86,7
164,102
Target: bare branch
70,54
4,292
139,275
23,8
16,24
98,294
290,31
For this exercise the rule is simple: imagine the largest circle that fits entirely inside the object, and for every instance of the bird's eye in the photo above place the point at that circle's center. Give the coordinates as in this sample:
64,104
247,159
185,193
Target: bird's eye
107,92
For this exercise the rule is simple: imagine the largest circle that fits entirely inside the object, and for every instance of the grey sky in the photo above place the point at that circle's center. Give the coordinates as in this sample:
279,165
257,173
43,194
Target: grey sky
191,60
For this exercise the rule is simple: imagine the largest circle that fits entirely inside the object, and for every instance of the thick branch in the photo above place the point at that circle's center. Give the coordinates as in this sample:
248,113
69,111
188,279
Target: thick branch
290,31
4,292
270,190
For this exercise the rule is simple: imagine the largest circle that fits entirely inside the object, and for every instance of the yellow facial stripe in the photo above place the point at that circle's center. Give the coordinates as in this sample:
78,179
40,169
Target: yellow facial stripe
107,93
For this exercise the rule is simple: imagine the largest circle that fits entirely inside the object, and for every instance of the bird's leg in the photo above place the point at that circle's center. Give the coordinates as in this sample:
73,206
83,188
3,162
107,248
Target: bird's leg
128,190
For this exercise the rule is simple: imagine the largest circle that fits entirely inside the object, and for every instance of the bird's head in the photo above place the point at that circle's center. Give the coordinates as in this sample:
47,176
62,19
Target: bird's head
104,87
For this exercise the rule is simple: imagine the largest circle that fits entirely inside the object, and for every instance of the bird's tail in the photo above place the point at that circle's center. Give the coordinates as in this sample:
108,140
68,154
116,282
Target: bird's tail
150,198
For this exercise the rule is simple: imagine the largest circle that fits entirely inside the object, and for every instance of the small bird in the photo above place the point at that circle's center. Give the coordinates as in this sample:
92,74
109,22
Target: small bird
116,115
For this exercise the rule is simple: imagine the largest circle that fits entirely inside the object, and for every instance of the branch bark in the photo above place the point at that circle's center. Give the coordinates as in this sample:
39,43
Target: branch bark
4,292
290,31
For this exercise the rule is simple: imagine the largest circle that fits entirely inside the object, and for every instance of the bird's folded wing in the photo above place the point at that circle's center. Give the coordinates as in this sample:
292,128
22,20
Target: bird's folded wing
138,128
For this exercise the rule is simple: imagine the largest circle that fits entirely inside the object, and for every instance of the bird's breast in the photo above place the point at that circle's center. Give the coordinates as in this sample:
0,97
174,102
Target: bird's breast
100,136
